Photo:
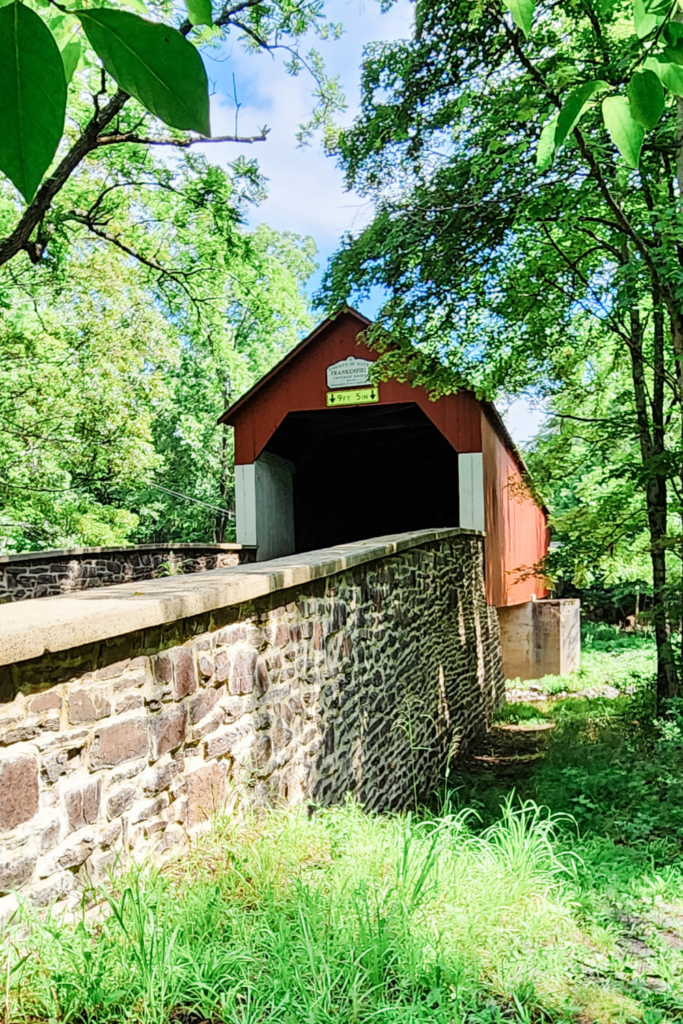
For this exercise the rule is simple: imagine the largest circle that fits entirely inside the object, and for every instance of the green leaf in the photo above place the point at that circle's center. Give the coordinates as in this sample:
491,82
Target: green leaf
645,19
71,54
154,63
672,33
199,12
646,98
670,75
545,150
673,55
522,12
137,5
33,90
62,27
626,134
574,107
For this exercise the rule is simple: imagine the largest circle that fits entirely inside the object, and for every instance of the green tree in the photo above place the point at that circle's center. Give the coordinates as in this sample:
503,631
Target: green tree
585,461
78,83
114,368
519,222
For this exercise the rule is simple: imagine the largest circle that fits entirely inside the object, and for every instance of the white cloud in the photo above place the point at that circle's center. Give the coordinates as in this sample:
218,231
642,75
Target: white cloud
306,188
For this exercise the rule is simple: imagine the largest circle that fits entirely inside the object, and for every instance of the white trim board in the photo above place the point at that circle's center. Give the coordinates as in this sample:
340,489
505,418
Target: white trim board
471,487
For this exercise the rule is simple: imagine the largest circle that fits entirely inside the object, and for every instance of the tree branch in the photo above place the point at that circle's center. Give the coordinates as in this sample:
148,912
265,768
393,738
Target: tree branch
622,220
33,215
112,140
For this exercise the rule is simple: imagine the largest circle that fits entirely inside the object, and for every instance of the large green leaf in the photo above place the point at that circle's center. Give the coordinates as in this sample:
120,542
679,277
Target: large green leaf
673,55
522,12
199,12
646,98
33,97
62,27
154,63
574,106
647,16
670,75
545,149
71,54
626,134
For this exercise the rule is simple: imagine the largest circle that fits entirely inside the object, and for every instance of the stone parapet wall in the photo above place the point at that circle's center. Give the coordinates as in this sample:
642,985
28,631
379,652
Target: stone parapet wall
48,573
366,676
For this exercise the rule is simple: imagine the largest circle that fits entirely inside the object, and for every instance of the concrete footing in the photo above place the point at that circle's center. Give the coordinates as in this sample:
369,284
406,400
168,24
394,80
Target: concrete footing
540,638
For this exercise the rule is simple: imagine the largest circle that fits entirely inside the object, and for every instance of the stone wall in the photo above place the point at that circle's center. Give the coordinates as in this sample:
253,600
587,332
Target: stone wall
307,690
47,573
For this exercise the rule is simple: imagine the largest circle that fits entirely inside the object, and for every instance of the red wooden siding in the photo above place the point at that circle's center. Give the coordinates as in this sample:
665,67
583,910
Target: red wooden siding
516,528
300,384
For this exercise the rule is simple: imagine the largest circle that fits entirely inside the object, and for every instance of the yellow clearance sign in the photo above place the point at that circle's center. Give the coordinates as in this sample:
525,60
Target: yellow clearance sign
360,396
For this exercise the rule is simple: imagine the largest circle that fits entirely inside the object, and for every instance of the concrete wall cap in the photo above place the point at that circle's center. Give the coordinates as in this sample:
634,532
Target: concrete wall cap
124,549
29,629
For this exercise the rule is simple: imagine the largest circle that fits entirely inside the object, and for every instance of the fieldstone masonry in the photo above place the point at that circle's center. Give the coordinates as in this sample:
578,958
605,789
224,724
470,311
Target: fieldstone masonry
365,681
47,573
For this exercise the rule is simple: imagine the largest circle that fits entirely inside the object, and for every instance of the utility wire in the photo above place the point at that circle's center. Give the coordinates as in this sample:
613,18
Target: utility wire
72,490
176,494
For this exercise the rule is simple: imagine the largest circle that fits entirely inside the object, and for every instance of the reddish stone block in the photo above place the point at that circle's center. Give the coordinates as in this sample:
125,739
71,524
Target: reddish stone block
15,870
167,730
261,752
18,789
120,802
117,668
223,742
261,678
49,837
47,701
122,741
281,635
222,666
201,705
87,705
205,792
74,856
162,666
131,680
206,666
280,735
83,804
130,702
185,672
243,670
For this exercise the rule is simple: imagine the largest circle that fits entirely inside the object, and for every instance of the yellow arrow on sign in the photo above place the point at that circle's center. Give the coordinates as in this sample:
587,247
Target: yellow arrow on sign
361,396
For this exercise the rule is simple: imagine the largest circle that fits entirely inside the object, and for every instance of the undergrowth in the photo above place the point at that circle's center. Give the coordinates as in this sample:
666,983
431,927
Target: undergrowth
506,902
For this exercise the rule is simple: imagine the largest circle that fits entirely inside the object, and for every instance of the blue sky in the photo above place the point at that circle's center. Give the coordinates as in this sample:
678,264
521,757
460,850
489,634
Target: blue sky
306,188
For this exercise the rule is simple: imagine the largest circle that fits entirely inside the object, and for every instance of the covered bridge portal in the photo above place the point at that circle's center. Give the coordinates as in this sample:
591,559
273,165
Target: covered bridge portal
322,457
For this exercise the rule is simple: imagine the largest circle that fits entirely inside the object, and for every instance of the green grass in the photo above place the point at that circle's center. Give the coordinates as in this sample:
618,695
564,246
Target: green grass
508,901
609,657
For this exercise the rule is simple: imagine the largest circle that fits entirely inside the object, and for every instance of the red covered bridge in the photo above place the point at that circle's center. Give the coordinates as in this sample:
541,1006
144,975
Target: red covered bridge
322,457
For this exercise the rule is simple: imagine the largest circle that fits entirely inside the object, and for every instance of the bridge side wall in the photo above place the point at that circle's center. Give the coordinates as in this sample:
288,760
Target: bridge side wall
366,681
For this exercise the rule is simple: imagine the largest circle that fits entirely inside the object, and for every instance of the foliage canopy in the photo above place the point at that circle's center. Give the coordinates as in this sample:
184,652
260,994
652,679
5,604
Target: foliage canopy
526,177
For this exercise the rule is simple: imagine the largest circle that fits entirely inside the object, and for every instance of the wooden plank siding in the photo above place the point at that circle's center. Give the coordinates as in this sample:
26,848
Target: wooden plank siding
517,533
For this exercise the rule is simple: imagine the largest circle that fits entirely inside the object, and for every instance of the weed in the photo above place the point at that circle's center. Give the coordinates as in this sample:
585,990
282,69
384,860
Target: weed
548,895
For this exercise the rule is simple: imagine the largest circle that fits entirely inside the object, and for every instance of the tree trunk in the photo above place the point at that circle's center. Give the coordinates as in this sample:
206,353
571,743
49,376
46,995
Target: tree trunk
652,451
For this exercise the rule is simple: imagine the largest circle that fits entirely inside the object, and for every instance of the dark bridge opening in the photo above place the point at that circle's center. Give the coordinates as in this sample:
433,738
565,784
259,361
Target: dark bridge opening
368,471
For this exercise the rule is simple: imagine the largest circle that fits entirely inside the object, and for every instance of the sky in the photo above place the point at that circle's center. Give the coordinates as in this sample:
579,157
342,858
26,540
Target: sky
305,187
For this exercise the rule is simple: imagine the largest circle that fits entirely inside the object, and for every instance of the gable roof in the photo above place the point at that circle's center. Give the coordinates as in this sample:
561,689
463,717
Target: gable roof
489,408
290,357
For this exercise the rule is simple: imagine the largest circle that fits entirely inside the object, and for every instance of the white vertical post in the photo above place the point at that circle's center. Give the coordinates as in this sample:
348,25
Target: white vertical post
471,486
245,504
